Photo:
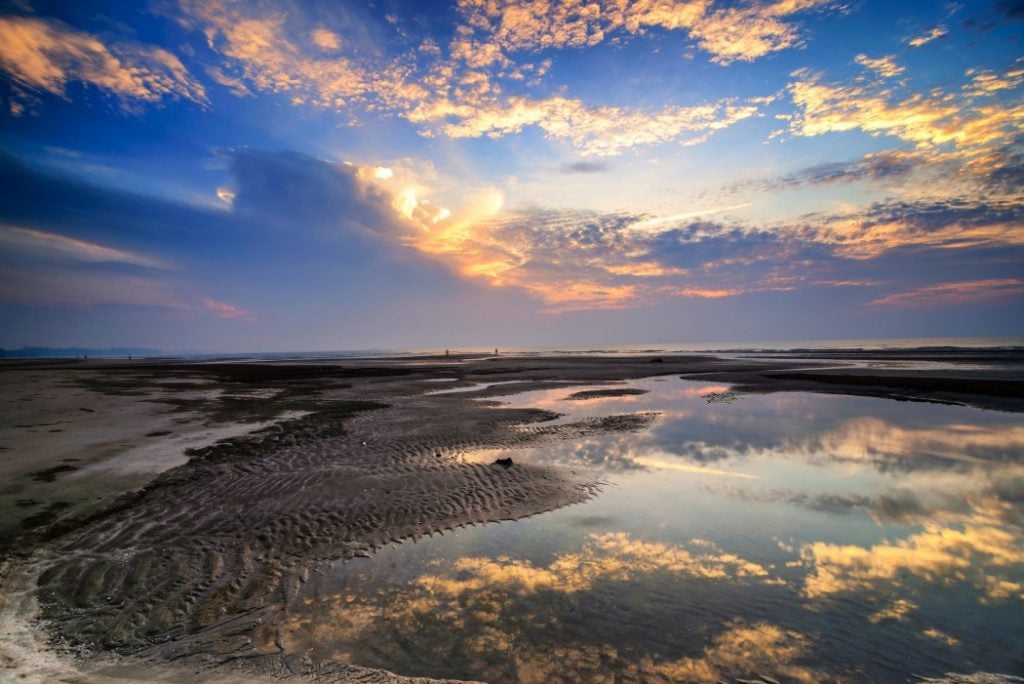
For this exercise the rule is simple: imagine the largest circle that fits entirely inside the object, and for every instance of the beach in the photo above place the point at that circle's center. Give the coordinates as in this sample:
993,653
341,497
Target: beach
160,517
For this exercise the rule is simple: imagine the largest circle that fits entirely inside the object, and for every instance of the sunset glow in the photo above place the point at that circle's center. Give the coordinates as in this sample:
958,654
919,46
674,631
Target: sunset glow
266,175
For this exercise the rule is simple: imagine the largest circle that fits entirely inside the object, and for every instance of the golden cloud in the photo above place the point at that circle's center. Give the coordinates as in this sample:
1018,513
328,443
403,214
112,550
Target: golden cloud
926,120
46,55
729,34
932,34
979,550
885,66
491,615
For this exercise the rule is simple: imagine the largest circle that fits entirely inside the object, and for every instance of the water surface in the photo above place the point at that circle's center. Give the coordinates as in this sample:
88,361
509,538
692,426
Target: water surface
797,536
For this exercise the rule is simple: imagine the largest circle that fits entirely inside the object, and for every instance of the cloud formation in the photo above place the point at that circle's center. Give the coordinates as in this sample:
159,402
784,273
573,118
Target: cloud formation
963,292
46,244
46,55
461,96
978,550
743,32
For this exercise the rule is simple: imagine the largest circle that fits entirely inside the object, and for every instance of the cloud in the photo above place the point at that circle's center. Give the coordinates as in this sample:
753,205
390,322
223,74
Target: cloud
884,66
978,550
955,293
597,131
933,34
324,39
458,97
465,610
925,120
225,310
235,85
740,33
574,259
261,55
46,55
584,167
64,286
987,82
47,244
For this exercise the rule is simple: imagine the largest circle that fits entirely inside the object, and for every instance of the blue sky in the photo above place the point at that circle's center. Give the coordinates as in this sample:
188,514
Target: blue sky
241,176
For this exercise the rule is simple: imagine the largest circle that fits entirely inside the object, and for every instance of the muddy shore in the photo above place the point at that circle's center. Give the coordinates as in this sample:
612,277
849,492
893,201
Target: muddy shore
160,512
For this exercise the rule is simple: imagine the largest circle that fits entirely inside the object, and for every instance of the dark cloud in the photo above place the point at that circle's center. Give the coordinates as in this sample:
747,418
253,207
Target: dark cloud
303,192
306,247
584,167
881,167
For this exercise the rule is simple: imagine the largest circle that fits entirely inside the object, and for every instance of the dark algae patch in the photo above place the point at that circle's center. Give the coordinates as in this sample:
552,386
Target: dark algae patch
50,474
45,516
599,393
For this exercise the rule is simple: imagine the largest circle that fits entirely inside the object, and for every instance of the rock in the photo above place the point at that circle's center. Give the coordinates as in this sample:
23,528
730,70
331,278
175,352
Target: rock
504,462
657,359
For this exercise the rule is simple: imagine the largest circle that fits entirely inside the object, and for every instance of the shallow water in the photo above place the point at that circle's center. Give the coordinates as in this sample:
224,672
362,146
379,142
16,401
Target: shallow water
796,536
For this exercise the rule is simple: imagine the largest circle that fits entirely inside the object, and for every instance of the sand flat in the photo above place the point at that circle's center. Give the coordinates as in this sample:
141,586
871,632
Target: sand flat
325,461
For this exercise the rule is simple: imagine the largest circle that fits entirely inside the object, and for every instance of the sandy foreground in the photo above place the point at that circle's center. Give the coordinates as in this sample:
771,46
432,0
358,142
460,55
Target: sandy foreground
155,517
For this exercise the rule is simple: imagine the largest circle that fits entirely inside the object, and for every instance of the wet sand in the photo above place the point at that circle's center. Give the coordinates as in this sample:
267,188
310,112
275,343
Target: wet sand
160,553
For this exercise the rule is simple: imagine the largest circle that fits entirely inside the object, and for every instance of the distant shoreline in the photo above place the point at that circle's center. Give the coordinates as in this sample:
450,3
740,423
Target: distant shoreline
838,346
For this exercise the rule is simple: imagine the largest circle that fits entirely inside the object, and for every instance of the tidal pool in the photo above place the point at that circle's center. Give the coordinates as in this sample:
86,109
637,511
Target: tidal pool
791,536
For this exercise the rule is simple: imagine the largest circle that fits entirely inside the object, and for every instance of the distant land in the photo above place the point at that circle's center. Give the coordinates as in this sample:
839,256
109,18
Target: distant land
64,352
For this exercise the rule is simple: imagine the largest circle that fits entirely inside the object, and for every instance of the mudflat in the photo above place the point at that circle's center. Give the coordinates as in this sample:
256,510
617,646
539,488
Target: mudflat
158,516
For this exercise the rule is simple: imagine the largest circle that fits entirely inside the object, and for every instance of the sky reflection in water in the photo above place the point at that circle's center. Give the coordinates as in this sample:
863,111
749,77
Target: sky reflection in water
804,537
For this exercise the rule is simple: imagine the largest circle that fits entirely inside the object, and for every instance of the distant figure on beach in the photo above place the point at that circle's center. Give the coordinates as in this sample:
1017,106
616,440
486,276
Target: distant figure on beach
446,352
495,351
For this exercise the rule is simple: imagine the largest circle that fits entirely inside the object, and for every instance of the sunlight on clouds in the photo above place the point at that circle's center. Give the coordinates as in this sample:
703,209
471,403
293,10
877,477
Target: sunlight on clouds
708,294
986,82
324,39
742,33
46,55
226,195
885,66
979,550
607,557
897,610
927,120
597,131
933,34
473,607
261,54
459,97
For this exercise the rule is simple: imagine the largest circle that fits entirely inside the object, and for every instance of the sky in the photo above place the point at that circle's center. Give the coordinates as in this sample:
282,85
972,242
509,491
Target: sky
221,175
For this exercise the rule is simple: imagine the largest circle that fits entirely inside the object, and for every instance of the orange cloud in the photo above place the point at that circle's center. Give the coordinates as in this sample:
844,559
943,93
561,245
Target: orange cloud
729,34
709,294
595,131
933,34
980,550
324,39
46,55
955,121
885,66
